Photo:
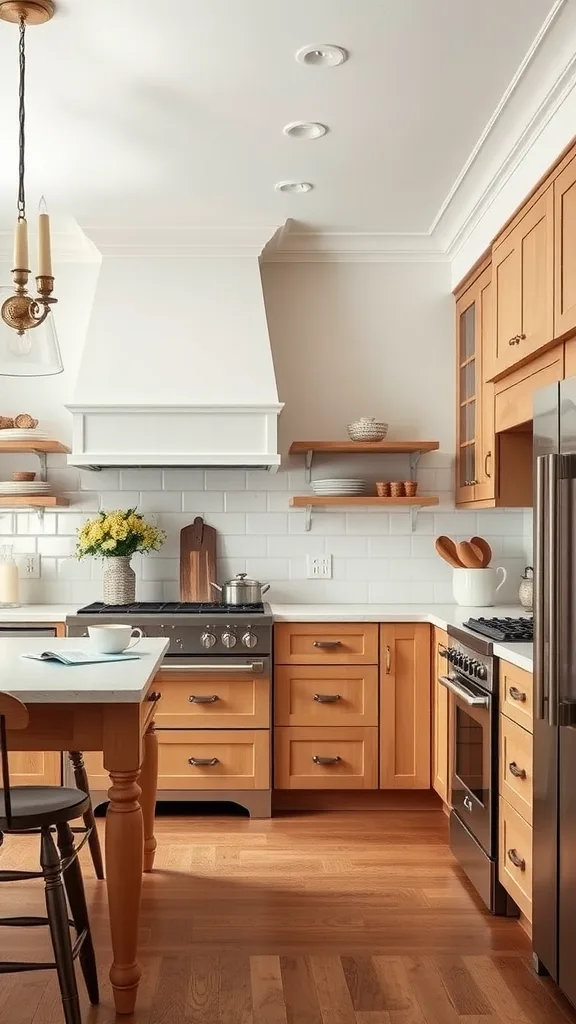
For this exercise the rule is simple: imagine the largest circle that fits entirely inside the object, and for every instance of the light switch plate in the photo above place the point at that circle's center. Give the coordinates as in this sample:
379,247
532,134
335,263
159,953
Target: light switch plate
28,566
319,567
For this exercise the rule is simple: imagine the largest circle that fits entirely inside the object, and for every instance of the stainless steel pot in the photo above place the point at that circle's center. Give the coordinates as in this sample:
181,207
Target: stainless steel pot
241,590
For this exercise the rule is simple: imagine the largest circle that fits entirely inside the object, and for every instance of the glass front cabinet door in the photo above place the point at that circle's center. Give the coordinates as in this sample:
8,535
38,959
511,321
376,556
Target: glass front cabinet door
474,462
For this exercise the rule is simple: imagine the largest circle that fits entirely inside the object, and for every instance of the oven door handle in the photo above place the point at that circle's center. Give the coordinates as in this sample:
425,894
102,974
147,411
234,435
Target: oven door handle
253,667
473,700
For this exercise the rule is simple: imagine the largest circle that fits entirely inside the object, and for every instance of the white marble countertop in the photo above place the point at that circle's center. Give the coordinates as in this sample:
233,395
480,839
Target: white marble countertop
37,682
441,615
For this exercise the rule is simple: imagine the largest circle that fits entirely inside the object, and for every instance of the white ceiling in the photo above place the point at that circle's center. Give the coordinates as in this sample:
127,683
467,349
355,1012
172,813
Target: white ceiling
172,114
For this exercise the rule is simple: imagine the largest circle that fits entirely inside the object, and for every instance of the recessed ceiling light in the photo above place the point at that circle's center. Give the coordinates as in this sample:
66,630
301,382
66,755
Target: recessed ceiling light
305,130
293,186
325,55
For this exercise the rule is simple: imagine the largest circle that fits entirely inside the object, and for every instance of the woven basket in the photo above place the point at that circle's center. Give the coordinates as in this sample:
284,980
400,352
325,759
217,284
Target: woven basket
367,429
119,581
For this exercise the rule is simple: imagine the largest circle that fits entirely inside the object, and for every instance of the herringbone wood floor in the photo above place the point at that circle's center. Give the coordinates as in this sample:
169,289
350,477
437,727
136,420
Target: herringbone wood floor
317,918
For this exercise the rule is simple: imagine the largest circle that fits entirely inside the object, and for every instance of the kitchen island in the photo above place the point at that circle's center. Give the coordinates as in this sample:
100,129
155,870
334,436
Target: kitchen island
108,708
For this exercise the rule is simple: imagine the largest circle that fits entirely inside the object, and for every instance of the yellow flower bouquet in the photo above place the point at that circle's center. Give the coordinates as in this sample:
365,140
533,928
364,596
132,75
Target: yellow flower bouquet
116,534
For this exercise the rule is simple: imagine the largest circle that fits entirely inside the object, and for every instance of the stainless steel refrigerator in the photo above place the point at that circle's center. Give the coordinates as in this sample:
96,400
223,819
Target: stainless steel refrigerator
554,817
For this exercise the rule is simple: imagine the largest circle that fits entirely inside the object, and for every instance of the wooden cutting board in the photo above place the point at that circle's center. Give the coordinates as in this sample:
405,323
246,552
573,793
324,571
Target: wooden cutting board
198,562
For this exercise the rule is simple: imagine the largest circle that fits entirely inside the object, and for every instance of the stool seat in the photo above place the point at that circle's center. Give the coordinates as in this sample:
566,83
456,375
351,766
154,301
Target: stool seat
37,806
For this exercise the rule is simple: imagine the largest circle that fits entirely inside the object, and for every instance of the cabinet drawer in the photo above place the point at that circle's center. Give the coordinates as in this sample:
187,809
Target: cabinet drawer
516,694
329,643
326,758
516,845
237,759
513,402
213,702
320,695
516,778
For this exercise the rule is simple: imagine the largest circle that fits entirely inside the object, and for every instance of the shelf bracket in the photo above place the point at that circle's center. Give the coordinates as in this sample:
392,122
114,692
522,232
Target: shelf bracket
414,460
43,459
40,513
414,510
308,460
308,518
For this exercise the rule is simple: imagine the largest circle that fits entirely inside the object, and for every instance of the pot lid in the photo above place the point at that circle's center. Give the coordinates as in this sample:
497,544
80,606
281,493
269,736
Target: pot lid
241,580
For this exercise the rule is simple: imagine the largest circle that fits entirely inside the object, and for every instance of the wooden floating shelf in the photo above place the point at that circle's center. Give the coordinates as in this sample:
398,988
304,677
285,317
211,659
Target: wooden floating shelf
364,447
30,447
33,501
309,500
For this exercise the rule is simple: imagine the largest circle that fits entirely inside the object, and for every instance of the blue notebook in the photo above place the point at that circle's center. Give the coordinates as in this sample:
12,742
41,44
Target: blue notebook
80,657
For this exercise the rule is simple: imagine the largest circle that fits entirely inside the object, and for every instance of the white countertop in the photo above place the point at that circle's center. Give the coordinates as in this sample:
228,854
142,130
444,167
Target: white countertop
441,615
37,682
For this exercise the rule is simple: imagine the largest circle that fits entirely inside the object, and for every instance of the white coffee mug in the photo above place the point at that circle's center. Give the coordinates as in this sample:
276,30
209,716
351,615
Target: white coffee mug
113,638
477,588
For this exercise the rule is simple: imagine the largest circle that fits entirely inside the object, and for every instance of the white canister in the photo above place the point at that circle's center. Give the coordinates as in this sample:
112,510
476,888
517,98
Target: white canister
9,582
477,588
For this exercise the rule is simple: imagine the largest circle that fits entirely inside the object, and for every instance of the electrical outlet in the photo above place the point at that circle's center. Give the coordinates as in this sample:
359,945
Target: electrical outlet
28,566
319,567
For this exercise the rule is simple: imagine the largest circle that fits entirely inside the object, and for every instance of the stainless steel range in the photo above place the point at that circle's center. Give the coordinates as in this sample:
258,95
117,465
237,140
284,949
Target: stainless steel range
194,630
472,679
213,716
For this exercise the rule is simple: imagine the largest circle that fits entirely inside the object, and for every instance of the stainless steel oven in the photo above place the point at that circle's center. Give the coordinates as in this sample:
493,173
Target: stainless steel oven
471,680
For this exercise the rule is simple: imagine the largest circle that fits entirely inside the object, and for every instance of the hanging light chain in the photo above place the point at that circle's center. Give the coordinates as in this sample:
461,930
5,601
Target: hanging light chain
21,119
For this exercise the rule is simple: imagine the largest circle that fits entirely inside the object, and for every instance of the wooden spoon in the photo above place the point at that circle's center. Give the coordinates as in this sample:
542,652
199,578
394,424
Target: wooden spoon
468,556
482,549
446,548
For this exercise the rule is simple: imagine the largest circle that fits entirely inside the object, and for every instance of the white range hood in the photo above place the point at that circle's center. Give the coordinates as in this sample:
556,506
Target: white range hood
177,366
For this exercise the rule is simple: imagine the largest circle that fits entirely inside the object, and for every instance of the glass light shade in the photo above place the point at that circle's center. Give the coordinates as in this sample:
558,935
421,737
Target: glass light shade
36,353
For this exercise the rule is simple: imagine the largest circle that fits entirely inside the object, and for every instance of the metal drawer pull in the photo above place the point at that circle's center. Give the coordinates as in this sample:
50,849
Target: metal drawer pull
468,804
519,773
517,861
388,660
154,697
326,698
487,457
202,762
251,666
325,760
517,694
194,699
327,643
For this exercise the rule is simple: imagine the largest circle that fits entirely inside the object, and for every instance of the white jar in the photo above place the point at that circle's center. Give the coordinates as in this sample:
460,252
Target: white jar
477,588
9,582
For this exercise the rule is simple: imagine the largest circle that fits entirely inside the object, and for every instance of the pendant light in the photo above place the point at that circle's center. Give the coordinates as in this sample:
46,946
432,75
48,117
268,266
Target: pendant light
28,340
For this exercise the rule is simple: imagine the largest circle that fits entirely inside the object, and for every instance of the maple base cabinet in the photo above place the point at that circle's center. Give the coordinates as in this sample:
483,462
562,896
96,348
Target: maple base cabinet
405,706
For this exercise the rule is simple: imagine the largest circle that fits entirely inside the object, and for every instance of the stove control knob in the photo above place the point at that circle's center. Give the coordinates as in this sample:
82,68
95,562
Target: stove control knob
229,639
466,664
482,672
249,639
207,639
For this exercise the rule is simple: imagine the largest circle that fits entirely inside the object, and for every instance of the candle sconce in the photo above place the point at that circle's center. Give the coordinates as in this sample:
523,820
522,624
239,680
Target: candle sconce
21,311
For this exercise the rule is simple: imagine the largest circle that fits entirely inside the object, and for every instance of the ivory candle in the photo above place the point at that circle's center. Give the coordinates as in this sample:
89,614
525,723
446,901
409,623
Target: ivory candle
44,247
21,245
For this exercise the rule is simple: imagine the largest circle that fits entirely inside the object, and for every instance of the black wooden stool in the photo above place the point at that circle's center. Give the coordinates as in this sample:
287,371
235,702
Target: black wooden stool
24,808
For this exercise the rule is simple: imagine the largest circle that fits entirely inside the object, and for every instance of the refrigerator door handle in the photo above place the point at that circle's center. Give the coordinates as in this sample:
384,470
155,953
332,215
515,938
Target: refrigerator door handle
553,555
540,594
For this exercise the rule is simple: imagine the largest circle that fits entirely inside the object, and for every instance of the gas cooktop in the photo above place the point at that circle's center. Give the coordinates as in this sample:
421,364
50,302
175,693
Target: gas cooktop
506,630
171,608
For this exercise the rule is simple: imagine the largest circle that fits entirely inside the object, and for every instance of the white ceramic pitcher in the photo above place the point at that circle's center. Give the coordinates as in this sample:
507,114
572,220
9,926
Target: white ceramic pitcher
477,588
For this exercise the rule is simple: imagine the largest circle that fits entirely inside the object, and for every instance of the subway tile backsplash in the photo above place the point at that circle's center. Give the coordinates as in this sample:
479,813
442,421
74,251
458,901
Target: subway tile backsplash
375,555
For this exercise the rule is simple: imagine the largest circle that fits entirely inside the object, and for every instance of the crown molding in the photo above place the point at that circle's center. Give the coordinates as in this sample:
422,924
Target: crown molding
127,242
290,246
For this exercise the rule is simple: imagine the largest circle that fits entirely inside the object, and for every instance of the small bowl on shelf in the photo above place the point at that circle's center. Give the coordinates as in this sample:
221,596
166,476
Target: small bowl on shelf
410,488
366,429
21,476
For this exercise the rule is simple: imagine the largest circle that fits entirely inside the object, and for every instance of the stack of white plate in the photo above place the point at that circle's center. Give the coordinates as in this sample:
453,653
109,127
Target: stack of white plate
20,434
24,488
339,488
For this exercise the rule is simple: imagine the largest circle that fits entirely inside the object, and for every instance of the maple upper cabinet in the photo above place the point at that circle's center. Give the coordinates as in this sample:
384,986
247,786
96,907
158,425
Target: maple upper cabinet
405,706
523,288
475,469
565,250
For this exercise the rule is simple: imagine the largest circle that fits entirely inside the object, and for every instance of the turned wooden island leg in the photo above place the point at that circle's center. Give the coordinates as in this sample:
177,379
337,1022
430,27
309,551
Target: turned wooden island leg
148,783
124,863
